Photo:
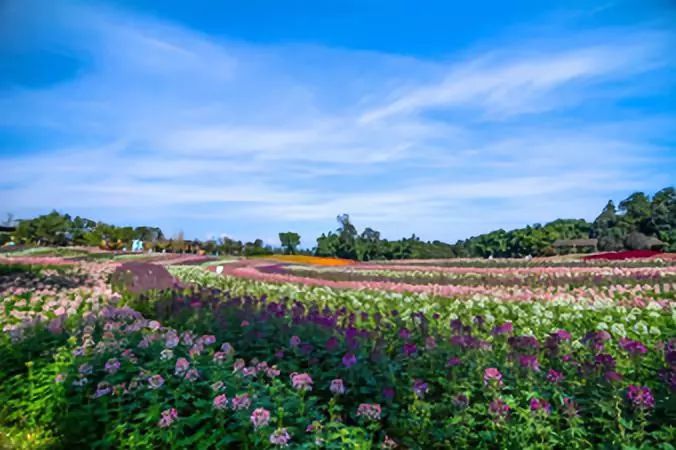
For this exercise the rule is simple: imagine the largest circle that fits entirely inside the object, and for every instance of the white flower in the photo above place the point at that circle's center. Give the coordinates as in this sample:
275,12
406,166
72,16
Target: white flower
601,326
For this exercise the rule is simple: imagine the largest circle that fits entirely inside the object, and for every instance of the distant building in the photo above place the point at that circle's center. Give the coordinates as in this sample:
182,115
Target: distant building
575,245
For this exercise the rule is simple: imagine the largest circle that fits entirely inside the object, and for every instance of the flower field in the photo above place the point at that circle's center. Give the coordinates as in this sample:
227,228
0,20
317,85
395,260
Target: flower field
277,353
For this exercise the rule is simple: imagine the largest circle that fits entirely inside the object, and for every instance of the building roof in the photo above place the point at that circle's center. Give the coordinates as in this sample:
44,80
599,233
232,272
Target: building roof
575,243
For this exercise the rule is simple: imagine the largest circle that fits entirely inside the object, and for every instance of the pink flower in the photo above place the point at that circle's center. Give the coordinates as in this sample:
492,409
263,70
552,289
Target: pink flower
492,374
220,402
241,401
430,343
192,375
168,417
272,372
301,381
337,387
238,365
260,417
182,366
370,411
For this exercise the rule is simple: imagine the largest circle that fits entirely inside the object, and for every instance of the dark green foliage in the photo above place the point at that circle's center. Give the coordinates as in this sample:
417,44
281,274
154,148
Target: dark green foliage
290,241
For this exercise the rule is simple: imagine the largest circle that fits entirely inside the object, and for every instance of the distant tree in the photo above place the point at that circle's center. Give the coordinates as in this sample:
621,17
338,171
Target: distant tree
290,241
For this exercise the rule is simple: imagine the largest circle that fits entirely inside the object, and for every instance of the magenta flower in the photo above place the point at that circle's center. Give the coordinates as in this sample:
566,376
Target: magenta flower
504,328
168,417
634,348
337,387
529,362
280,437
492,375
641,397
260,417
540,404
370,411
410,348
301,381
554,377
192,375
331,343
349,360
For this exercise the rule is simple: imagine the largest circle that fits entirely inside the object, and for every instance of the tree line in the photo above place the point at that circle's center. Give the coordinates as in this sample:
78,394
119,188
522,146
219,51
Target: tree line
637,222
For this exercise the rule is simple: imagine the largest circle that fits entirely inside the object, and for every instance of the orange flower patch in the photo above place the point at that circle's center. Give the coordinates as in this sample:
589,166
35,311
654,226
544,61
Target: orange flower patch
314,260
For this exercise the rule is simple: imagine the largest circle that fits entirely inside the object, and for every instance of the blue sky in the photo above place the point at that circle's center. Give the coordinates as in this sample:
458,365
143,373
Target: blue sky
446,119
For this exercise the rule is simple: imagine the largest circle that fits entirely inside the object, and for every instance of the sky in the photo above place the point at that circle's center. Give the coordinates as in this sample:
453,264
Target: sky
247,118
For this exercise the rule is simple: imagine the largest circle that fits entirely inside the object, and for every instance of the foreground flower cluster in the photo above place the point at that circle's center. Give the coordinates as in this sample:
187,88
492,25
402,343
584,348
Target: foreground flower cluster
228,362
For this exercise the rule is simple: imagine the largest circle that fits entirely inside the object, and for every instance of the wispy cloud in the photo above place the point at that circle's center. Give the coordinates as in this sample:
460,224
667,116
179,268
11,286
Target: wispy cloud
167,125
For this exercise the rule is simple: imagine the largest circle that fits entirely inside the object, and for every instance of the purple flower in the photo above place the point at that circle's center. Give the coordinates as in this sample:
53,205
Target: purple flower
388,393
554,377
404,333
168,417
280,437
634,348
641,397
420,388
112,366
410,348
103,388
605,361
492,375
349,360
260,417
294,341
453,361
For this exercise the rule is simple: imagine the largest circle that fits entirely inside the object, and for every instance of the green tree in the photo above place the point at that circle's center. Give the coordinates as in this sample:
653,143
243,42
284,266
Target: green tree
289,241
